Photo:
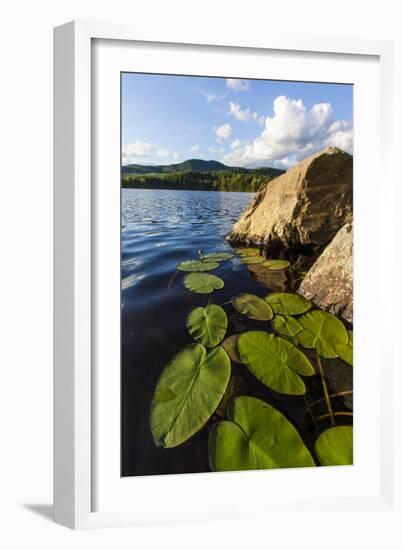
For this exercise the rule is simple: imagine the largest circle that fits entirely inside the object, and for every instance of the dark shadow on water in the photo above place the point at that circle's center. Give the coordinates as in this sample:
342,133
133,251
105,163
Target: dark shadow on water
43,510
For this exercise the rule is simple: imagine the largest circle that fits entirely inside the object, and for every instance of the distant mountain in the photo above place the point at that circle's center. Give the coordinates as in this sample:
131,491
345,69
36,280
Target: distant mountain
197,174
191,165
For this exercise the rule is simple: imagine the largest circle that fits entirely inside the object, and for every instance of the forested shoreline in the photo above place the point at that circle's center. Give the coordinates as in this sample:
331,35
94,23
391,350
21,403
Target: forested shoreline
224,180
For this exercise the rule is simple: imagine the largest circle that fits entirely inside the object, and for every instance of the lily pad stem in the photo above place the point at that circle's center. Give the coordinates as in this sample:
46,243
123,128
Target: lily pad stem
172,279
341,413
325,390
333,395
308,406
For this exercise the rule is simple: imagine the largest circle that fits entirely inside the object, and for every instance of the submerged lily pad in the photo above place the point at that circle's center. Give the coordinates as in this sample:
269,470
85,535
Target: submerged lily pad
252,259
287,326
345,351
273,265
248,251
197,265
275,361
188,392
207,325
202,283
218,256
288,303
230,344
334,447
256,436
253,307
322,331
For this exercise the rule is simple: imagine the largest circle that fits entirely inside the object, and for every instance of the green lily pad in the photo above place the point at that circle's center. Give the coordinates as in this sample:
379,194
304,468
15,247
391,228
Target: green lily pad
287,326
252,259
345,351
188,392
256,436
197,265
253,307
207,325
275,361
274,265
322,331
202,283
334,447
287,303
248,251
217,256
230,344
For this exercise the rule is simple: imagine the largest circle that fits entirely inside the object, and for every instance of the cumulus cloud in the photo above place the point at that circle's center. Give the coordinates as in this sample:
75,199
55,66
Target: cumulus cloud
245,115
138,149
223,132
137,152
292,133
341,135
194,148
238,84
235,144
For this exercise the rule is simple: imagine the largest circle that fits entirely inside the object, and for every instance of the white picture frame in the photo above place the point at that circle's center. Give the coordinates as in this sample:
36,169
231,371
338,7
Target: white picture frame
87,491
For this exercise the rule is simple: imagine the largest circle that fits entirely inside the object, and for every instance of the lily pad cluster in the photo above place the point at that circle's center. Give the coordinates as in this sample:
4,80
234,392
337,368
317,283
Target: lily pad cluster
257,436
198,280
248,433
253,256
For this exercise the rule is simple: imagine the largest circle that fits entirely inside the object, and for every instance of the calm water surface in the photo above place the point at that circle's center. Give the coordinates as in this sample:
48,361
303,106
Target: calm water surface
159,230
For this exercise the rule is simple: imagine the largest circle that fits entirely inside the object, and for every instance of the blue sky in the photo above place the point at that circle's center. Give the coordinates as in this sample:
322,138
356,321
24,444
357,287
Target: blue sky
250,123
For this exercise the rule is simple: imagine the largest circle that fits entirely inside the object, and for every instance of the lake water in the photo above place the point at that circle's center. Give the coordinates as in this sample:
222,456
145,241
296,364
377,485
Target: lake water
159,230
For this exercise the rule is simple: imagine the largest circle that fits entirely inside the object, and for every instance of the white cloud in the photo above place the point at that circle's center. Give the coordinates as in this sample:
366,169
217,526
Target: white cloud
138,149
235,144
341,135
238,85
195,148
292,133
210,97
223,132
176,155
246,115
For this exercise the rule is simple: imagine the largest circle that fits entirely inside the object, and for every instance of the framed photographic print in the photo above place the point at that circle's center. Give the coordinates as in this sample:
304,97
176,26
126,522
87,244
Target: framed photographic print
216,213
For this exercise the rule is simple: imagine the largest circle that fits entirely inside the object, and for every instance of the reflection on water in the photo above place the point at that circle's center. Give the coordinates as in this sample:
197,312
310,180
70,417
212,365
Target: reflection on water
159,230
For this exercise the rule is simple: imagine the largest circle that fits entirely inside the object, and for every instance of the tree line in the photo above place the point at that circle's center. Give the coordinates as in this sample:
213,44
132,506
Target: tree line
229,180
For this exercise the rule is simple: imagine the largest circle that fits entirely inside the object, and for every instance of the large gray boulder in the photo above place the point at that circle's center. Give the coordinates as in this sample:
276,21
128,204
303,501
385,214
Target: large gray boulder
329,282
306,206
